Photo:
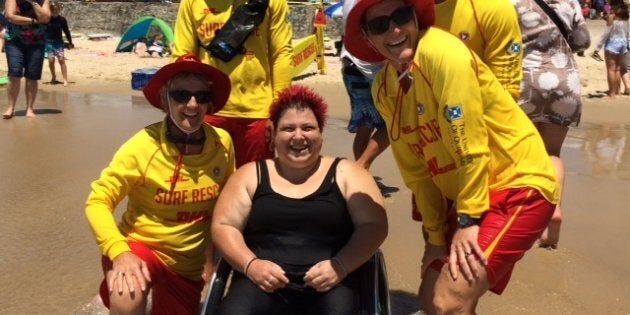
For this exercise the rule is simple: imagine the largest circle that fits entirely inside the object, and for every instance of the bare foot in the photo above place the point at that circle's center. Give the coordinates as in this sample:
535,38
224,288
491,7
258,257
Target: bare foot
65,83
8,114
30,113
551,236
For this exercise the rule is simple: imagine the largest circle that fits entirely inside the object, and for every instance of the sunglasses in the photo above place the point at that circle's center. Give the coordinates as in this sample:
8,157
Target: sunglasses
380,25
183,96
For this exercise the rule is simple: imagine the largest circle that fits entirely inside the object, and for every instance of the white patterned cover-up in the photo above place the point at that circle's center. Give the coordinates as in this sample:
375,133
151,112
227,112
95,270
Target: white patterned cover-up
550,90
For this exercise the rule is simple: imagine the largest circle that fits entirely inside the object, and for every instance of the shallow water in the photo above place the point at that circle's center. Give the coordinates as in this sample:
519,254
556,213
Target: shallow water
50,264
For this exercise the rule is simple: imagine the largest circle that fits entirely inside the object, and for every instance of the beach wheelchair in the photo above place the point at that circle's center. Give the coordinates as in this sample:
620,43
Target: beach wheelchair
374,295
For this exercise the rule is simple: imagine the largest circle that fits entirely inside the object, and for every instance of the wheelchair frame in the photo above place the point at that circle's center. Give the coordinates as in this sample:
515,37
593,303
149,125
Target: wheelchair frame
374,293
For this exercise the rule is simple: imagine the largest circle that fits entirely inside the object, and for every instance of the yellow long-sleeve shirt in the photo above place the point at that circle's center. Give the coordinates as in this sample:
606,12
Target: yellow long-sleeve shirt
457,134
491,30
258,75
174,224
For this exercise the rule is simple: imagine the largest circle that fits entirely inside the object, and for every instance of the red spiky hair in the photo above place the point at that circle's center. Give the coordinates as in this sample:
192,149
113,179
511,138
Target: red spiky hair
299,97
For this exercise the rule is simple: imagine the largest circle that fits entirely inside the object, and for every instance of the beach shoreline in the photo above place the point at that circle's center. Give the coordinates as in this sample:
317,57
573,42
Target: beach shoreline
94,67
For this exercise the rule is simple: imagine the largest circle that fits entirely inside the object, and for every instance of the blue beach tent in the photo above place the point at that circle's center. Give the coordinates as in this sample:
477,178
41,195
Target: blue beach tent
143,28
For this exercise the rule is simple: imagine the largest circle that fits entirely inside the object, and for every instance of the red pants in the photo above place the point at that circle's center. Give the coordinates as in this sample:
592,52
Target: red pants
248,135
171,293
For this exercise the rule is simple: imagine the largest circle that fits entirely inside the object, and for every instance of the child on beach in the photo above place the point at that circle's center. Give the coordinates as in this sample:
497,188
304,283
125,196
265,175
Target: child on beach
157,46
55,44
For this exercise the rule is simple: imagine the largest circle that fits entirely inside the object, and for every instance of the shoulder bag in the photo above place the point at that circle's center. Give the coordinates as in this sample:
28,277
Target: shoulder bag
228,41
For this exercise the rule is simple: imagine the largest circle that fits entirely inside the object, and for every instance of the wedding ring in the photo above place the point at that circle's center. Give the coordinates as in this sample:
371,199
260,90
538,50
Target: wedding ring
466,254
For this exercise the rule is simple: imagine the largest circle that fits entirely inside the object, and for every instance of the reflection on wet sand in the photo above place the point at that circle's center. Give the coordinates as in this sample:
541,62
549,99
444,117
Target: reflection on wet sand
602,150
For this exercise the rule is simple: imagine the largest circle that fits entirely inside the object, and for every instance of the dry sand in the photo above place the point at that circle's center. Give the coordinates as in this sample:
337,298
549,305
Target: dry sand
588,274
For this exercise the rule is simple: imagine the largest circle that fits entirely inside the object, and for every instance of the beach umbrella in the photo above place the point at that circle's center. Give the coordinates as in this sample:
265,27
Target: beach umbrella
334,10
142,28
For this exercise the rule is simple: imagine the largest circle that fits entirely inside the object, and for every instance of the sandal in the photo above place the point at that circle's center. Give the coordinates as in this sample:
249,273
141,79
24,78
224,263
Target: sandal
595,55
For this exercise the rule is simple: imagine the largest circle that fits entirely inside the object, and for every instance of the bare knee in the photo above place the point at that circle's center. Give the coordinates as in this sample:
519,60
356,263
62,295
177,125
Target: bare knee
449,304
134,303
129,302
458,296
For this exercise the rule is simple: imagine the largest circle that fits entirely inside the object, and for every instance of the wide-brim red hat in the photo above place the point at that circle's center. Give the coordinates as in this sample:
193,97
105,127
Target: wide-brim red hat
357,45
189,63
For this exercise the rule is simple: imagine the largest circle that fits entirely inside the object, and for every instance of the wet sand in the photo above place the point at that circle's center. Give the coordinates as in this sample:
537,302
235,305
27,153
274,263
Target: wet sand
50,263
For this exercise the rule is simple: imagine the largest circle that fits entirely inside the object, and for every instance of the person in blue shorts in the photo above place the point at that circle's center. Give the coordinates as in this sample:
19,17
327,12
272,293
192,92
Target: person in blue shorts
24,48
54,42
365,122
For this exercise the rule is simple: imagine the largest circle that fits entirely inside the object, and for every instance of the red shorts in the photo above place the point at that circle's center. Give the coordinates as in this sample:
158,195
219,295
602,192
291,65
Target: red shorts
415,213
171,293
248,135
516,219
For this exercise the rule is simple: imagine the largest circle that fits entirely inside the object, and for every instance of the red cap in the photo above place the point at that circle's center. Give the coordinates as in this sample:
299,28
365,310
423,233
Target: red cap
357,45
189,63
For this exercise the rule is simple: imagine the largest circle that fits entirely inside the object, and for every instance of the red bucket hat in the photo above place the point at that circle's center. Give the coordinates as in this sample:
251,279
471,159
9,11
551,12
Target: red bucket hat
189,63
358,46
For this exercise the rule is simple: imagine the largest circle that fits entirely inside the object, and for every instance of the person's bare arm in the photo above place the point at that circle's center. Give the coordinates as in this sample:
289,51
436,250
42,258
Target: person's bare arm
365,204
228,222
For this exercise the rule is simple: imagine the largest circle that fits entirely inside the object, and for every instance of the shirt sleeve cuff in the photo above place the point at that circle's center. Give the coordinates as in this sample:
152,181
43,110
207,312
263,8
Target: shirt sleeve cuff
117,249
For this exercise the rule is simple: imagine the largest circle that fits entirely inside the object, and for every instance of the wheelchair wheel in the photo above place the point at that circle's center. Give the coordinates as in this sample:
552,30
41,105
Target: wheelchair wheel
217,287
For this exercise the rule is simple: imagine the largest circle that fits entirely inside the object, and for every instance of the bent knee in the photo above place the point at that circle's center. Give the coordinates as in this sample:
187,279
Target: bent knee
448,304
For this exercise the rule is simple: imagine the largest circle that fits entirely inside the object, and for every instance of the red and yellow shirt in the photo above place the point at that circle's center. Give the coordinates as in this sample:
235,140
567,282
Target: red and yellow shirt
173,219
457,134
260,73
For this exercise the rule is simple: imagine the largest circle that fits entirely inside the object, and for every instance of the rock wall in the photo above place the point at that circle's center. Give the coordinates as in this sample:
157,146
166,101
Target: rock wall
115,17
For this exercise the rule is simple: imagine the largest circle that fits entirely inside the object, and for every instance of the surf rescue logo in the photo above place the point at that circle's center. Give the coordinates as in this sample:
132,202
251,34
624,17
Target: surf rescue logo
453,112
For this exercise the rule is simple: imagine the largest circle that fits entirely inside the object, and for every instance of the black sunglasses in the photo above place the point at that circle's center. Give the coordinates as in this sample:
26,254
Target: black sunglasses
183,96
380,25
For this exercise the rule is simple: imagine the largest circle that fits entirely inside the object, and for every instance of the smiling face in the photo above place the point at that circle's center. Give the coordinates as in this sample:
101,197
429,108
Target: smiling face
298,137
398,43
188,99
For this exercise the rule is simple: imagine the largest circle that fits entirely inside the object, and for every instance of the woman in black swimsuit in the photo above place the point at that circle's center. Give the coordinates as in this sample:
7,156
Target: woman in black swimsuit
297,226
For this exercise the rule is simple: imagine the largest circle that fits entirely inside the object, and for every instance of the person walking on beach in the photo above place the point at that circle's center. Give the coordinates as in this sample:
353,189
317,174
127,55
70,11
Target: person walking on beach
54,42
550,94
24,48
370,138
614,40
458,138
259,70
172,173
